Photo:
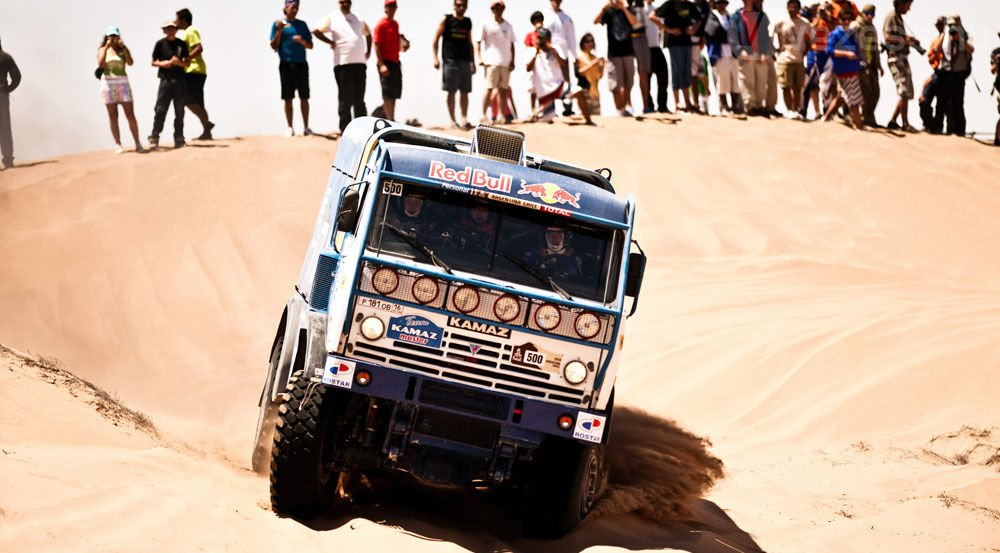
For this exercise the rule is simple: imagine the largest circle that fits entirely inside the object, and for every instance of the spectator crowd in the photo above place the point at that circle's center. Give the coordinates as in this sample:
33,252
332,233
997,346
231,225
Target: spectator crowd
825,56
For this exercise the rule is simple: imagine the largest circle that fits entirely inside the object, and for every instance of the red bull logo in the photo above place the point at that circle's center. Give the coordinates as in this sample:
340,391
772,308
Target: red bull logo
550,193
471,177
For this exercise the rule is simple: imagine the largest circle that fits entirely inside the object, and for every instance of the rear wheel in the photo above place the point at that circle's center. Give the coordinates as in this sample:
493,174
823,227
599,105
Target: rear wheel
303,480
569,479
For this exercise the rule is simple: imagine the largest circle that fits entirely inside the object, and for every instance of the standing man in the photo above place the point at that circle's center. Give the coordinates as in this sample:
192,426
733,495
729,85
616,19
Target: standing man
455,34
794,38
170,55
720,54
621,57
658,62
564,38
195,73
871,63
351,42
387,48
290,38
676,18
955,68
995,69
897,46
497,59
10,78
749,40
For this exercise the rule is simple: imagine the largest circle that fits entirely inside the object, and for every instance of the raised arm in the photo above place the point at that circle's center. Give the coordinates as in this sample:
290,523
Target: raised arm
600,15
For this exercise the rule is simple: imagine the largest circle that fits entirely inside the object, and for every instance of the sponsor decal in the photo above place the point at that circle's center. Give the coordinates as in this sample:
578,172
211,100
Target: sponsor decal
415,330
550,193
339,373
476,178
375,303
589,427
392,188
474,349
532,356
481,328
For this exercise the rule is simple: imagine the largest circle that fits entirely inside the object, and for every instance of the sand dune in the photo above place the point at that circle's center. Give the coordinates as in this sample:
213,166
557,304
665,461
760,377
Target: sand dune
820,304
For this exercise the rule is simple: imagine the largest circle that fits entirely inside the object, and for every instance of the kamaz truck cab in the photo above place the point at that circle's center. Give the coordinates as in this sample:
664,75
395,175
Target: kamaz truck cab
459,317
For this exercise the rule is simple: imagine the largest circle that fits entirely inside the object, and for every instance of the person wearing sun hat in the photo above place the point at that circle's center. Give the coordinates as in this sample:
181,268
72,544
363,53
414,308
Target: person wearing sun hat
871,62
170,55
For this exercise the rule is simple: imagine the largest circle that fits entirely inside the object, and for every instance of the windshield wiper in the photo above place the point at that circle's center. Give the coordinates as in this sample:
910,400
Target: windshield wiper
419,246
544,279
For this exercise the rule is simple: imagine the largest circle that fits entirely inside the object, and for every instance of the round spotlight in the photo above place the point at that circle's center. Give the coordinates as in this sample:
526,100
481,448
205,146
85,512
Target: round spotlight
507,308
547,317
565,422
372,328
466,299
425,289
385,281
575,372
587,325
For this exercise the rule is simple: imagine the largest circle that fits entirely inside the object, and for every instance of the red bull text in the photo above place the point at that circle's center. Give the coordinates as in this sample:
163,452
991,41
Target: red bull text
472,177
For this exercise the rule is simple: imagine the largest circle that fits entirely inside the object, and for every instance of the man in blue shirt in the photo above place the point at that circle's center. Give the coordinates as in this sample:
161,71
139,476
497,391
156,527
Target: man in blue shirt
842,47
290,38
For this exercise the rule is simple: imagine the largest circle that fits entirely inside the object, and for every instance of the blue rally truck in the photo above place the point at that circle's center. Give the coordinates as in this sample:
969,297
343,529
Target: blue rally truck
460,318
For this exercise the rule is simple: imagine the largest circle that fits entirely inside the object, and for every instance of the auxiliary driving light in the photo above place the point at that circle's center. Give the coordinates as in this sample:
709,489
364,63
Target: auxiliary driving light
385,280
547,317
425,290
466,299
587,325
575,372
372,328
565,422
362,378
507,308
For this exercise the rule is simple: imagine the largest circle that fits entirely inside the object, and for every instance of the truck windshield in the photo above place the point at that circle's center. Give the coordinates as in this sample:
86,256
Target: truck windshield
498,240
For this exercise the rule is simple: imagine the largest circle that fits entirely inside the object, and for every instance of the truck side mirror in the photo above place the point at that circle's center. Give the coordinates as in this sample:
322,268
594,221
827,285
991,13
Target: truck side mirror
633,280
347,219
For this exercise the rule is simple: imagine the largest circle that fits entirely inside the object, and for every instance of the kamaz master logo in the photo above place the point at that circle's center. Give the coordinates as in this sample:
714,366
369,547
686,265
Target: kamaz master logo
482,328
415,330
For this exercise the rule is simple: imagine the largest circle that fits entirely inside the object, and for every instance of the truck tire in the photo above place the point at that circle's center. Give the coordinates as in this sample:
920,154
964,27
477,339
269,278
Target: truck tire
569,478
303,482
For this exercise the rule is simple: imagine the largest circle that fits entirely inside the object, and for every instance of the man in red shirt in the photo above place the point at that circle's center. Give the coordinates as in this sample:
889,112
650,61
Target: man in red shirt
387,48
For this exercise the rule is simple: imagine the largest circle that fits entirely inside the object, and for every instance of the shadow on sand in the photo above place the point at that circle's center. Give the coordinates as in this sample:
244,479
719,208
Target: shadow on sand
659,473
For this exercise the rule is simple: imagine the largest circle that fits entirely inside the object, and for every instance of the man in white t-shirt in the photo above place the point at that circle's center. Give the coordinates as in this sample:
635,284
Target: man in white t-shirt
795,35
351,41
495,50
548,67
560,24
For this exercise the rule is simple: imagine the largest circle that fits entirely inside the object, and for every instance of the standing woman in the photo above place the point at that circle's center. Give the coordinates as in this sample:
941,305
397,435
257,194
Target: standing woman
112,58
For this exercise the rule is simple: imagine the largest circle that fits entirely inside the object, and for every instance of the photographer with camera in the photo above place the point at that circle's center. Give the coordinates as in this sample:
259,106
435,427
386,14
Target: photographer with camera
897,47
955,67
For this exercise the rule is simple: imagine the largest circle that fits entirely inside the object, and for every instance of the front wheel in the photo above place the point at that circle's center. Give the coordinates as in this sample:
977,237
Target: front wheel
303,480
569,479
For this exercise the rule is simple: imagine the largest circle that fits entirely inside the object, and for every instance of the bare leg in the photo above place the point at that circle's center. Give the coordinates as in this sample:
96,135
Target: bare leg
487,100
856,118
834,106
463,104
113,119
201,114
133,125
904,111
644,90
288,113
304,106
389,105
451,107
581,101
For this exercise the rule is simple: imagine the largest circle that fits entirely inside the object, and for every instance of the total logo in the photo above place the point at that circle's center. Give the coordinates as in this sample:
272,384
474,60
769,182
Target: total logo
550,193
589,428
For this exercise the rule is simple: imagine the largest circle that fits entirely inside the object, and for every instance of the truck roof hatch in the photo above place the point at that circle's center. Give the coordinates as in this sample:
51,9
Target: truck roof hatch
500,144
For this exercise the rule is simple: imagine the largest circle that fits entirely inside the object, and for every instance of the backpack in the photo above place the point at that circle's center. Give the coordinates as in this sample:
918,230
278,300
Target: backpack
714,29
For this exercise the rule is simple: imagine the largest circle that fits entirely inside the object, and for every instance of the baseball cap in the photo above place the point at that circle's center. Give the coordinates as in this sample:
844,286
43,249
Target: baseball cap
868,9
113,31
168,23
290,2
390,3
544,34
498,3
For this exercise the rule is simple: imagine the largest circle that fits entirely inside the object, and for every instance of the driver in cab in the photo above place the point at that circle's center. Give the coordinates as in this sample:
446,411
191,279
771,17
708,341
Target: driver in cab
554,255
409,213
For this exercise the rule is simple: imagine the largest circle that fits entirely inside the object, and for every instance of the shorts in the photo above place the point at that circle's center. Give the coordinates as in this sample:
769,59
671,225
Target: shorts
850,90
621,72
792,76
456,76
902,76
680,66
727,76
392,84
194,88
552,96
643,58
497,76
294,77
115,90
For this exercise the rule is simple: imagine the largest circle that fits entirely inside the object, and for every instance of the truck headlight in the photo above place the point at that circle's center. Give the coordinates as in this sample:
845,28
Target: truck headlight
372,328
575,372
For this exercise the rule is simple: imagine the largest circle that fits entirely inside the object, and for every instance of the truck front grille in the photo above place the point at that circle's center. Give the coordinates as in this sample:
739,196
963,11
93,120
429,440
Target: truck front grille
448,426
465,400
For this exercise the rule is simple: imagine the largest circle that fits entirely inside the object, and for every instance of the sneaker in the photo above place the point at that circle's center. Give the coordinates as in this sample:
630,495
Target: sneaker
648,110
892,126
307,132
139,149
289,132
508,119
179,144
119,149
909,128
628,112
664,110
154,141
205,135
